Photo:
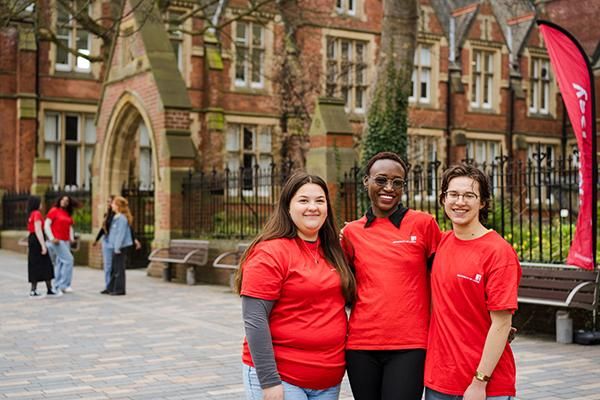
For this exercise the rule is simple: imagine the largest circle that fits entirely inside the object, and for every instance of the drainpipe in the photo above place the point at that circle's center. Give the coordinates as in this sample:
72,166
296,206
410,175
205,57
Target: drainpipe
37,79
451,61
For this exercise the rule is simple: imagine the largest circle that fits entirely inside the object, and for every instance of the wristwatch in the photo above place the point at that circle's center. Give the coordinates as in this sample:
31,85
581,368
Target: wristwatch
481,377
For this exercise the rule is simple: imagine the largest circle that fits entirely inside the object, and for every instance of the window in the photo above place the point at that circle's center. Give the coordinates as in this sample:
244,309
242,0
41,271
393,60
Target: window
145,165
248,146
539,91
249,55
483,151
420,90
175,27
71,36
69,145
346,74
482,79
346,6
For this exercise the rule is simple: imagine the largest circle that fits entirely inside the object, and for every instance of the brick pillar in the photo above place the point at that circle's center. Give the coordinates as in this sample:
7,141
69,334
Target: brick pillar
331,144
42,178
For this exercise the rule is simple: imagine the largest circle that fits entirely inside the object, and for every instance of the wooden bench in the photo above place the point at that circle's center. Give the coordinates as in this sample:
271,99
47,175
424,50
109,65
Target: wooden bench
561,287
230,260
182,251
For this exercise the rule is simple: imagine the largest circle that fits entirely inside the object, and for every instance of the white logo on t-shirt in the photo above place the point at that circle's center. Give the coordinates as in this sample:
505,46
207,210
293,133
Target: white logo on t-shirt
413,239
476,278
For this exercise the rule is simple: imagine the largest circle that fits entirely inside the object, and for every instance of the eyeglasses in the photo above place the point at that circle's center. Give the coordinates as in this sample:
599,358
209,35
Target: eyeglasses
468,197
382,181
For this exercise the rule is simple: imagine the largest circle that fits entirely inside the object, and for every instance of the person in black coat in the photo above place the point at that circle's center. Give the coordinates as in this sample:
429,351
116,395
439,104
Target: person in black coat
39,265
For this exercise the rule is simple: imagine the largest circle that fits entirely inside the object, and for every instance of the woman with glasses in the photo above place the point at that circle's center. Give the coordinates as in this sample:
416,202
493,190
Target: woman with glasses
474,282
389,249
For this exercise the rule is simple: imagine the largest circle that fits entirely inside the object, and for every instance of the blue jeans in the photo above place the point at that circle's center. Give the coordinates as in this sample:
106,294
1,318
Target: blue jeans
290,392
107,256
63,263
433,395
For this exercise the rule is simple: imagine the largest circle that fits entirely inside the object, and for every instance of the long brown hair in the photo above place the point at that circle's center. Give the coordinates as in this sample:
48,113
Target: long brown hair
123,206
280,225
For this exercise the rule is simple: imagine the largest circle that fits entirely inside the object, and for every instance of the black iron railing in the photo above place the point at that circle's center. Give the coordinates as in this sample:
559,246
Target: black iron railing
534,204
14,210
231,204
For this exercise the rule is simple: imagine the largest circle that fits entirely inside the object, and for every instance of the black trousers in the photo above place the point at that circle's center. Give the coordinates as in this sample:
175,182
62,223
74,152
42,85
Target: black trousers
386,374
117,275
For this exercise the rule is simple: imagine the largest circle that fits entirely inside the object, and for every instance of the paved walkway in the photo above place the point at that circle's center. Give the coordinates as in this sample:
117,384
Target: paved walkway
176,342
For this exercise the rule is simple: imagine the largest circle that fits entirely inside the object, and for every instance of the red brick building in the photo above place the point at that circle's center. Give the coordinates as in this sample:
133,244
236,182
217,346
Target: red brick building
167,100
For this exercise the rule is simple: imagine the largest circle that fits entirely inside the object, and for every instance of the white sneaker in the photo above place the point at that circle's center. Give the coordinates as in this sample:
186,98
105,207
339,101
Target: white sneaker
68,289
34,294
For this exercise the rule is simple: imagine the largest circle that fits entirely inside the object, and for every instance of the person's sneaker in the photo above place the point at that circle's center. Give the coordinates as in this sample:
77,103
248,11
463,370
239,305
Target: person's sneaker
54,293
105,291
68,289
34,294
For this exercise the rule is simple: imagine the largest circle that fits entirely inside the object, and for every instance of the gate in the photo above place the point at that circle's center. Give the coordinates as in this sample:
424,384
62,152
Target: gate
141,204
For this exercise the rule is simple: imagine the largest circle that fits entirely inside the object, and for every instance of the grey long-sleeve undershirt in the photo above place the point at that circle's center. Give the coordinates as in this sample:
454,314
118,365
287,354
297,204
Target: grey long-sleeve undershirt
255,313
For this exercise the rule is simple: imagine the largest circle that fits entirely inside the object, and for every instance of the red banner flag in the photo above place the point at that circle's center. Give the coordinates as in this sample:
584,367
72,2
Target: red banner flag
576,83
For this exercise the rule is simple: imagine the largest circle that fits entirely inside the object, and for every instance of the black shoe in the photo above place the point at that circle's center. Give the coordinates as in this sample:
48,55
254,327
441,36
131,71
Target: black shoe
105,291
116,294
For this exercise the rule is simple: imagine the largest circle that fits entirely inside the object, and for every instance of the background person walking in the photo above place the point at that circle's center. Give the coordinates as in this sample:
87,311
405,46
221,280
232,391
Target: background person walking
59,231
39,265
119,240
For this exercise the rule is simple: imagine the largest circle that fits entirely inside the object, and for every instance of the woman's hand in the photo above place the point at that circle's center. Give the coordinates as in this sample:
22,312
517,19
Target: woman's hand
273,393
55,241
44,250
138,245
341,235
475,391
94,243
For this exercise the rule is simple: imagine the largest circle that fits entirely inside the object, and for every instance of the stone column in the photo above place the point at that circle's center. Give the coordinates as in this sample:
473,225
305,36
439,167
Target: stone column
331,144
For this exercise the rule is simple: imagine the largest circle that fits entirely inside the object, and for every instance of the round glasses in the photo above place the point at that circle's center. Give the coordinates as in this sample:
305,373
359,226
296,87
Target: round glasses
382,181
467,197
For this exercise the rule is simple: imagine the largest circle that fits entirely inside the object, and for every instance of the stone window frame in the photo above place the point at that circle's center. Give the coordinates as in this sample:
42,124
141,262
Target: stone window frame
540,54
83,144
265,44
434,74
71,37
368,53
484,73
347,7
258,124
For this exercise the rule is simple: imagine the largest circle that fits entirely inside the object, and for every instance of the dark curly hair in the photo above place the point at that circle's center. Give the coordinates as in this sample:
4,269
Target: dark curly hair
385,155
469,171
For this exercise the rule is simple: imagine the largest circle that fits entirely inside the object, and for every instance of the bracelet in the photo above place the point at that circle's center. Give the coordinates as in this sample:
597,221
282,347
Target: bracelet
481,377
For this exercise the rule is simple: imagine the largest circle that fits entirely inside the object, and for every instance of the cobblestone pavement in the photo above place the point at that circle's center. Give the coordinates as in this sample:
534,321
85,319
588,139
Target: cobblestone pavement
171,341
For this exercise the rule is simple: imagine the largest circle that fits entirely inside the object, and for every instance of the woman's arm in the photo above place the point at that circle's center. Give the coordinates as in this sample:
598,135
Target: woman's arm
40,235
255,313
48,230
495,343
71,234
120,229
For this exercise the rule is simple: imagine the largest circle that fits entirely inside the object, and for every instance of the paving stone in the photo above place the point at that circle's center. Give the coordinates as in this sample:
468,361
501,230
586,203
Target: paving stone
166,341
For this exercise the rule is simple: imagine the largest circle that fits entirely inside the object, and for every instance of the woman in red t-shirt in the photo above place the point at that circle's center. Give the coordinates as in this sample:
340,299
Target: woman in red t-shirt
474,282
295,283
39,266
389,249
59,231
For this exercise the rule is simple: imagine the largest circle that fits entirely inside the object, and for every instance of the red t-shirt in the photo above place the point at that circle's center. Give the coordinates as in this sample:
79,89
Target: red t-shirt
390,263
35,215
61,223
308,322
469,279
